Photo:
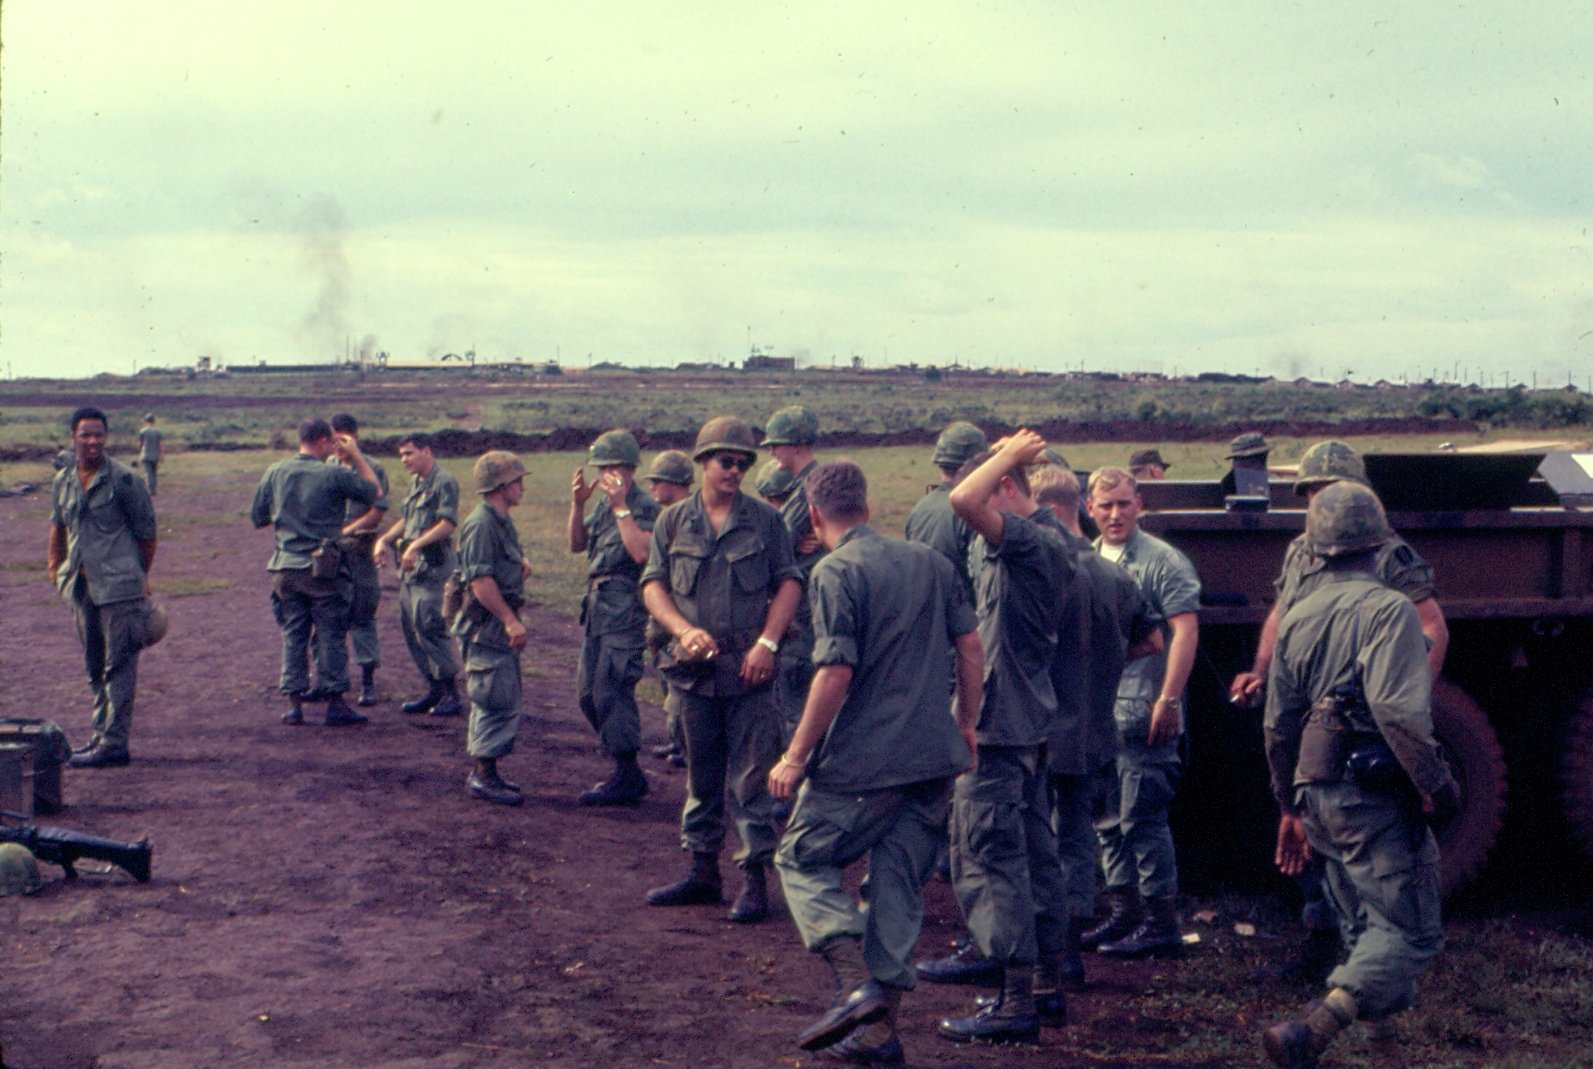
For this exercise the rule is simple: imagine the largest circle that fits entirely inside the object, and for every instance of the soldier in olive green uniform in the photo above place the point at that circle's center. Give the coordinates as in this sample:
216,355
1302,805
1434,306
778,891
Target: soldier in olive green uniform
879,755
720,579
615,538
305,499
359,538
1354,766
669,478
932,520
151,451
426,558
102,544
791,435
494,570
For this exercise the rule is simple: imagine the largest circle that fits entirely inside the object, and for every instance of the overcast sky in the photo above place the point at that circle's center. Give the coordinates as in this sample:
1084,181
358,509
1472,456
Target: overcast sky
1390,189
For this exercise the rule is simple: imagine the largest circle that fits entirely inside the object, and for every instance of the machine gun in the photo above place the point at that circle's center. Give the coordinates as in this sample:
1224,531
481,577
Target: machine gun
66,848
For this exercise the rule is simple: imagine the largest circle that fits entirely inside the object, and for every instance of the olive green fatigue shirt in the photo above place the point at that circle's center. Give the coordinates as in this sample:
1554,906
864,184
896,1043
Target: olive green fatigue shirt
354,509
615,604
104,523
1169,582
887,609
721,583
936,524
489,545
304,499
1397,565
149,446
794,514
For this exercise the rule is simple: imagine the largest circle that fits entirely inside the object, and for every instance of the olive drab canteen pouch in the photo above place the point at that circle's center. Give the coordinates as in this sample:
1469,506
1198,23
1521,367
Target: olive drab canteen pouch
326,559
1325,743
50,752
453,596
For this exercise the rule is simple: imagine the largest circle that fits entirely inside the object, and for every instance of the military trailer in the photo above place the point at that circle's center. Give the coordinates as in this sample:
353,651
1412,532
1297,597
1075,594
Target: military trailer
1510,539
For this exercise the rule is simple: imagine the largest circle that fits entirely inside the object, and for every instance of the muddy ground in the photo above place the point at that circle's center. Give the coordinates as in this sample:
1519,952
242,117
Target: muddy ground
332,898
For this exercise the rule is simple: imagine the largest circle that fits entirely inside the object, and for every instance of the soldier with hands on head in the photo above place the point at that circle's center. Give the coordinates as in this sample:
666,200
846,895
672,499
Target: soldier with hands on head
424,538
493,570
1355,770
721,581
305,500
875,754
615,536
359,539
101,548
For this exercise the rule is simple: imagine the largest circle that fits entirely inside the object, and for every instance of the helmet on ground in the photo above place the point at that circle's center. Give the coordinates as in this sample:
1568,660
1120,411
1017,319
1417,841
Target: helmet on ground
1248,444
157,624
1328,462
19,871
959,443
773,480
616,447
670,466
725,432
792,425
496,470
1345,517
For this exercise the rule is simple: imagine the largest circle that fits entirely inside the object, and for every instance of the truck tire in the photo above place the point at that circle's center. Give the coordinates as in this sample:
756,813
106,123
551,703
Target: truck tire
1471,747
1576,776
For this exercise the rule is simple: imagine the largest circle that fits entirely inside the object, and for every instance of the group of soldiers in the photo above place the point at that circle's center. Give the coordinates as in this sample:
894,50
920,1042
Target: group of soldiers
995,692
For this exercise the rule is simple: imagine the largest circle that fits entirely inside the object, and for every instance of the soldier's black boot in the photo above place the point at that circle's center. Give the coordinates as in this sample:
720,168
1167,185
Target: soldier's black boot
338,713
295,713
486,784
1050,1001
1123,919
367,685
1298,1044
874,1044
859,998
627,786
1071,977
1011,1018
752,904
700,887
1157,936
964,965
426,702
448,703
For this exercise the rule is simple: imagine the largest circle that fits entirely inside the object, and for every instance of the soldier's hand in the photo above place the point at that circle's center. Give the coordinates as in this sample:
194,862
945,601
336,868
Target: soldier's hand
345,446
525,569
613,486
1023,446
809,544
52,570
410,558
580,489
1166,721
757,666
697,644
517,634
1246,690
1293,850
783,779
379,553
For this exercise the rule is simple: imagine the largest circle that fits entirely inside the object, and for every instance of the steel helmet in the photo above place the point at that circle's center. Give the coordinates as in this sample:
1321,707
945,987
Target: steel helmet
1328,462
1345,517
959,443
496,470
156,624
1248,444
773,480
670,466
616,447
19,871
725,432
792,425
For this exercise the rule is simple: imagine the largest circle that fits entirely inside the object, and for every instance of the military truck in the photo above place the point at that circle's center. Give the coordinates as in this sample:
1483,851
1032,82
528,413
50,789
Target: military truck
1510,539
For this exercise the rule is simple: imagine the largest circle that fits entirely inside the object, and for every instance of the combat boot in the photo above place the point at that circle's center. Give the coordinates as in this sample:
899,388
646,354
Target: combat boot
426,702
295,714
1071,974
1298,1044
367,685
1124,918
964,965
876,1043
752,904
486,784
627,786
1156,936
448,703
1011,1018
338,713
859,998
700,887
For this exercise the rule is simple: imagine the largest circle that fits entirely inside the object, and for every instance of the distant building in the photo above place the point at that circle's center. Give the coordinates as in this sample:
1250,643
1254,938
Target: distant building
759,362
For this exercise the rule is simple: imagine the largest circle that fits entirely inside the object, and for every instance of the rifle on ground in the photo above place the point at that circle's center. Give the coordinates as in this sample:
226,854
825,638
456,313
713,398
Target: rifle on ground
65,848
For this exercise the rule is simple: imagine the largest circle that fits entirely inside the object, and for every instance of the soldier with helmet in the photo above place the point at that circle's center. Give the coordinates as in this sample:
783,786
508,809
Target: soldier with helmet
669,477
722,582
932,521
1355,768
493,570
791,435
615,537
774,484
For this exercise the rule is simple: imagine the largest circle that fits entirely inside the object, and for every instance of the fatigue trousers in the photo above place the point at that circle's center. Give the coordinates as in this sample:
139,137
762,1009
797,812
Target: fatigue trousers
426,633
902,831
1136,840
796,676
1382,877
1075,845
606,678
1004,865
150,467
731,743
363,602
304,605
492,682
112,637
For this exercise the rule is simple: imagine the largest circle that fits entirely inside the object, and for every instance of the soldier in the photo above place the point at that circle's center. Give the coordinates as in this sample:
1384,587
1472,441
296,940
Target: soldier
1354,767
493,569
1398,567
101,547
721,581
774,484
305,499
359,535
424,535
792,432
1136,842
1146,464
932,520
879,755
1004,865
615,538
669,477
151,451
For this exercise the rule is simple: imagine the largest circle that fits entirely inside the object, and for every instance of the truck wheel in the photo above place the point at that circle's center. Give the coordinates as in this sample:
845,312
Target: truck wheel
1471,747
1576,776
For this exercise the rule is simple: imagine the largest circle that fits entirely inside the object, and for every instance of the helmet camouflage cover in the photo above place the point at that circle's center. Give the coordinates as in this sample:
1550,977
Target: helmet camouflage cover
792,425
1346,517
497,469
1328,462
959,443
670,466
727,433
1248,444
616,447
19,871
773,480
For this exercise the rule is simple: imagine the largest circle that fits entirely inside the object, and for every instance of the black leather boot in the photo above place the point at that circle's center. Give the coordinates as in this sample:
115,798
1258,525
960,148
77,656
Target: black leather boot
486,784
1298,1044
627,786
448,703
964,965
367,685
752,904
700,887
1011,1018
426,702
338,713
859,998
1156,936
1124,918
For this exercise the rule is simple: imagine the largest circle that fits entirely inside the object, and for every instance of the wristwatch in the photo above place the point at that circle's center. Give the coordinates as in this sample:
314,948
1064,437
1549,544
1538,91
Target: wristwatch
769,644
1176,704
620,514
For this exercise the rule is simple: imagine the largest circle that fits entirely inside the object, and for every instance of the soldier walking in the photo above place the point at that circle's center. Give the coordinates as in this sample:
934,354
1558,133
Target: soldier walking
721,581
424,537
876,755
359,538
101,548
615,537
151,451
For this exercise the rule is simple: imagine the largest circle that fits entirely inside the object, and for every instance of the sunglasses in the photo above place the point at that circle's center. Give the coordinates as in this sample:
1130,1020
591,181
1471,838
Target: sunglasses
738,461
